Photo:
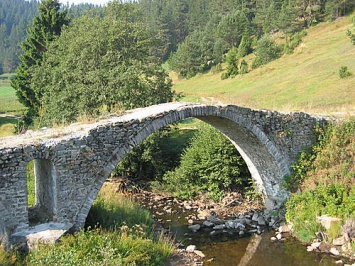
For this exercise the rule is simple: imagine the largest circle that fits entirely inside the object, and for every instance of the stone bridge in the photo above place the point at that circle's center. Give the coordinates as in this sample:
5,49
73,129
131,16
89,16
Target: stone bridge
71,164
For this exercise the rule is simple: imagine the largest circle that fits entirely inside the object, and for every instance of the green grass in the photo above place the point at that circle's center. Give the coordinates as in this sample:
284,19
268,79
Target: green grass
8,98
10,108
325,178
124,237
307,80
31,197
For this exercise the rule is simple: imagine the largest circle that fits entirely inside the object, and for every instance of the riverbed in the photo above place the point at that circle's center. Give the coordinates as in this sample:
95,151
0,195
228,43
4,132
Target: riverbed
226,248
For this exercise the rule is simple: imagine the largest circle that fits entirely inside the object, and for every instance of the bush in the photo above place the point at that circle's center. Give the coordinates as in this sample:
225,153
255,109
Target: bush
232,67
243,69
210,165
157,154
267,50
294,41
344,72
324,179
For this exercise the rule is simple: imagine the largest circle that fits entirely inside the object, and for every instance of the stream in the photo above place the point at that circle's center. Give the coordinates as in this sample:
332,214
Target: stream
226,248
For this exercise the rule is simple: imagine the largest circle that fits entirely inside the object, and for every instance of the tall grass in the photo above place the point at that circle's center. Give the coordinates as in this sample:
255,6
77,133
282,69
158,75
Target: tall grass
326,184
122,234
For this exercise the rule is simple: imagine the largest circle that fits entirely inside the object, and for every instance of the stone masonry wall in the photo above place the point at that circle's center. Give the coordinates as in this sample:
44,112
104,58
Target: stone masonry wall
77,160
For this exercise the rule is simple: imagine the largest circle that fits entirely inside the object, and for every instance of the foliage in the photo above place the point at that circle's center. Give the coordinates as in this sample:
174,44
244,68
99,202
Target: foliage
15,16
157,154
266,51
211,164
351,36
243,69
232,64
244,47
101,64
190,58
46,26
294,41
267,87
232,27
344,72
124,237
326,178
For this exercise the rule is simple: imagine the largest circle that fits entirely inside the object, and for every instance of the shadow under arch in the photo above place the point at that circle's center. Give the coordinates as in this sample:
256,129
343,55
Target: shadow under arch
266,163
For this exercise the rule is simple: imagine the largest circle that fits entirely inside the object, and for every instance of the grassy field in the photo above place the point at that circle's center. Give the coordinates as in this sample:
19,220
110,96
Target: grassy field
10,108
307,80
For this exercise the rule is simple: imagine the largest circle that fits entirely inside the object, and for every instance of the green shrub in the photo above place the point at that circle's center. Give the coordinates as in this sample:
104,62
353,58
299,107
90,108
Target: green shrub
210,165
344,72
294,41
324,179
243,69
157,154
266,51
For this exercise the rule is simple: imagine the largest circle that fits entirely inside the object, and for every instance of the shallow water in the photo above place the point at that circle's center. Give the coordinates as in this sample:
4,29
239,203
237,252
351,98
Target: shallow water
254,250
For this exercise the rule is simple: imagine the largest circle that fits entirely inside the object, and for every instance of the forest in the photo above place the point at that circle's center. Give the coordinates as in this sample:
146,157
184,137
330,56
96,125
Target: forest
195,33
15,17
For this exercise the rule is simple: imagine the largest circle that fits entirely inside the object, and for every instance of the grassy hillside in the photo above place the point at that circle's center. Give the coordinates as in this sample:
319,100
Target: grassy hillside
307,80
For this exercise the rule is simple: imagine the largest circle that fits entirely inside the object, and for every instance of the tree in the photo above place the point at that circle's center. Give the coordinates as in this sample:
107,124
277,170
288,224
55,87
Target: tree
46,26
244,47
101,64
210,164
232,27
266,50
351,36
232,61
189,58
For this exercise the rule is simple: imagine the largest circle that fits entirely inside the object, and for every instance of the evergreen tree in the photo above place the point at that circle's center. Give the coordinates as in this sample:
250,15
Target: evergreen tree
232,61
46,26
244,47
232,27
15,16
267,50
243,69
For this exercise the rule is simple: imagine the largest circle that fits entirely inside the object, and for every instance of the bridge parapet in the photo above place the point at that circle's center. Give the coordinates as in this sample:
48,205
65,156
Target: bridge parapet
72,163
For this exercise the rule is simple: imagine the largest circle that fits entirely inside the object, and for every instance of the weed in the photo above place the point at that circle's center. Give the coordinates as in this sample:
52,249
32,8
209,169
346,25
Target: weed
344,72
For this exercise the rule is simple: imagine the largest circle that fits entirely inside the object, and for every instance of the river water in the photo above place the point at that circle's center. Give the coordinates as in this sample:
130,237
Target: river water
253,250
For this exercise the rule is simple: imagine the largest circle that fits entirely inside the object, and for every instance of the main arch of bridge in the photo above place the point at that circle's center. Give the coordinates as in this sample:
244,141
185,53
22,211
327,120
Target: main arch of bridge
79,159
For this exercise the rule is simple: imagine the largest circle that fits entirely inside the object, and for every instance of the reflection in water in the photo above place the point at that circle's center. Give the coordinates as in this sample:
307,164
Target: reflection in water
260,251
251,249
230,250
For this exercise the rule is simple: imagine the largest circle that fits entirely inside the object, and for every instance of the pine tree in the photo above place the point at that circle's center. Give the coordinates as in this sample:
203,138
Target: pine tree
46,26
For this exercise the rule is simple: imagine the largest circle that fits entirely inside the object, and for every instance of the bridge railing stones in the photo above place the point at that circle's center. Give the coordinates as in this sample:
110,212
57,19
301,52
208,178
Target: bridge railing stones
80,157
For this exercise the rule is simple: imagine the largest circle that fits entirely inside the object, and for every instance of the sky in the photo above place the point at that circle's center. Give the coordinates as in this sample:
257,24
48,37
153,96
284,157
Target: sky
97,2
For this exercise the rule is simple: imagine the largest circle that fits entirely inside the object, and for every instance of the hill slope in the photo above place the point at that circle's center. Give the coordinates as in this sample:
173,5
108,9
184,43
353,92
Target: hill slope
307,80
